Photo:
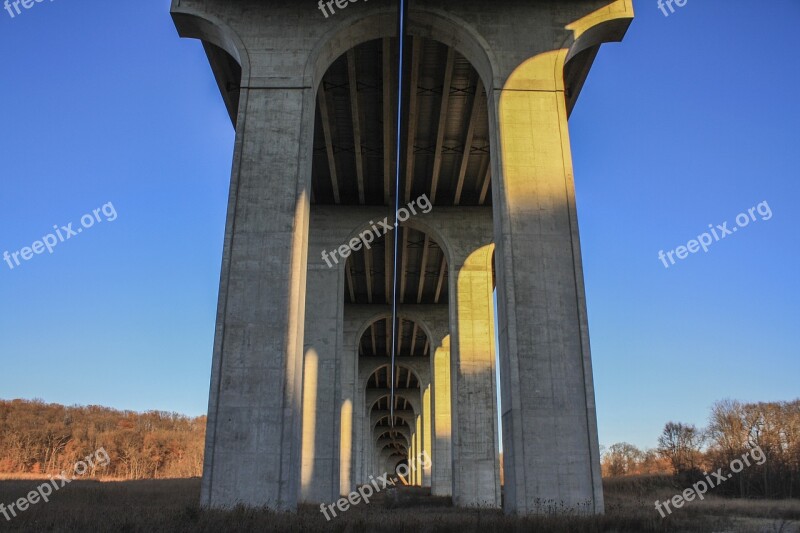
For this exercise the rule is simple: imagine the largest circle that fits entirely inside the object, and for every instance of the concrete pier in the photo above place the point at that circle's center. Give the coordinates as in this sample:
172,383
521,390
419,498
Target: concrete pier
300,406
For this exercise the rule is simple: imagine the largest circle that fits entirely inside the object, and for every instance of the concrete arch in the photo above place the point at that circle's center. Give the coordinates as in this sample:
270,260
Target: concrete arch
397,395
399,365
405,431
195,24
388,435
383,443
410,422
414,223
386,418
424,21
390,446
405,315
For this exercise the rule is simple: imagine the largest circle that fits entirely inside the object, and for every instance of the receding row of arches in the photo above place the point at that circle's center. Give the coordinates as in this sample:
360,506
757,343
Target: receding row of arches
403,414
448,161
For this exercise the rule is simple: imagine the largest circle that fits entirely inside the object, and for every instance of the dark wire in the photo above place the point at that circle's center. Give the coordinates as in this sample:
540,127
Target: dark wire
403,12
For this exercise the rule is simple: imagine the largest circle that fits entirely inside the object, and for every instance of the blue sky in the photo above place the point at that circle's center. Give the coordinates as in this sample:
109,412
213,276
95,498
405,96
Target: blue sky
690,121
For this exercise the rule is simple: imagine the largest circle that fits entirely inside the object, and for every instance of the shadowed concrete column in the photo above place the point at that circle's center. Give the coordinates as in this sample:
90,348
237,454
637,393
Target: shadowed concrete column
476,473
549,421
254,406
324,410
361,458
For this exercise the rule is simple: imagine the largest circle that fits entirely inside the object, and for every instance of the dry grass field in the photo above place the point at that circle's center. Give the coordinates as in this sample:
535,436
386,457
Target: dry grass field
171,505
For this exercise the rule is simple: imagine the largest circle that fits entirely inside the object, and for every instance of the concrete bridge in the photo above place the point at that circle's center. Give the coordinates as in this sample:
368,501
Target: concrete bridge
305,403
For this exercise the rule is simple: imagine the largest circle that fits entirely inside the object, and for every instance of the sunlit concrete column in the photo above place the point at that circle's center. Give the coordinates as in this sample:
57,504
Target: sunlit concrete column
427,442
415,455
476,473
346,482
442,480
411,453
252,456
418,452
412,477
549,420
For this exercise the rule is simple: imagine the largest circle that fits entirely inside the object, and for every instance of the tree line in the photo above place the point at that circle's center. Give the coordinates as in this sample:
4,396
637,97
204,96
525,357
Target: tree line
39,438
734,429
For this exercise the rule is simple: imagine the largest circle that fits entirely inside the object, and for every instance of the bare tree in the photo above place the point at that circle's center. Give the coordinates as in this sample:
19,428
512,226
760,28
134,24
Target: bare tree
681,444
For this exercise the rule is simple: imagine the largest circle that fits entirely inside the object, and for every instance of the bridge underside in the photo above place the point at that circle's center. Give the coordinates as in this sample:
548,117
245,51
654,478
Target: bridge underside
305,402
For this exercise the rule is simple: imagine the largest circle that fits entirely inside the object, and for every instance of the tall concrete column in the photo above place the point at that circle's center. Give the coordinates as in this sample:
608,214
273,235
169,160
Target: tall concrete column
549,420
427,441
476,473
442,480
365,445
418,452
324,409
412,470
346,433
255,398
362,456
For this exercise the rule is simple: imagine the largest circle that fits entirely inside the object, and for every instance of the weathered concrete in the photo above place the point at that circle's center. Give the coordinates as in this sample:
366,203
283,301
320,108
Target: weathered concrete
476,474
254,405
442,457
325,379
550,428
434,319
289,411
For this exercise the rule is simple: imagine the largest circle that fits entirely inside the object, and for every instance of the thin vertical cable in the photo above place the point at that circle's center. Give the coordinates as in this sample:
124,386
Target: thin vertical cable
401,33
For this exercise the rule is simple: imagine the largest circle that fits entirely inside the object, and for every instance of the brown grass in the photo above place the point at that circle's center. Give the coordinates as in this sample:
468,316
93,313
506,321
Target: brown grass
23,476
171,505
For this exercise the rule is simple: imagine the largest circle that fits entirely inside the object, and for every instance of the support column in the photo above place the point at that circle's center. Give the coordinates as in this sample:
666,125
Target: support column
411,472
549,420
323,416
346,483
361,457
476,467
255,398
442,482
366,444
426,451
417,452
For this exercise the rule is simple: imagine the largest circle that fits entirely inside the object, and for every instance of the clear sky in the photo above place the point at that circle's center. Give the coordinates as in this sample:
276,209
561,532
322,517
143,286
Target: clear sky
689,122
